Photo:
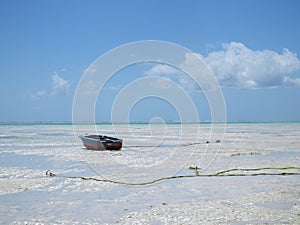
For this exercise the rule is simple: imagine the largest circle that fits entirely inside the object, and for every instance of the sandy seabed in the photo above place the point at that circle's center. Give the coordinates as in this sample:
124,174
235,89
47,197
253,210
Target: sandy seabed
42,167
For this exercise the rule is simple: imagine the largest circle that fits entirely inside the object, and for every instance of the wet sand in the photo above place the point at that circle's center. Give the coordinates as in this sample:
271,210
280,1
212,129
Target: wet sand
29,195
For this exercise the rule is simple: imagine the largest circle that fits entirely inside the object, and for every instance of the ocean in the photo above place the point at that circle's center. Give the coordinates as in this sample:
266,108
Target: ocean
193,173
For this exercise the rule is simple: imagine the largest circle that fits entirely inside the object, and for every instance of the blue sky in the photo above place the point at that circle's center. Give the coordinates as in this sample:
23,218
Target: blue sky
251,46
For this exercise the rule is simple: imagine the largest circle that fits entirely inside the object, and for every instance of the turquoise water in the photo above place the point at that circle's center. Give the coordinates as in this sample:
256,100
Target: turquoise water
30,151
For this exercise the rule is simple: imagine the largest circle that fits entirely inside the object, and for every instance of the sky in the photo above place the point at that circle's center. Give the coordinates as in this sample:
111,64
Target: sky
252,48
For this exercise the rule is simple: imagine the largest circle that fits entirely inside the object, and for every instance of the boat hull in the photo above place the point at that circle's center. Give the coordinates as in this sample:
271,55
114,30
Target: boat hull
98,142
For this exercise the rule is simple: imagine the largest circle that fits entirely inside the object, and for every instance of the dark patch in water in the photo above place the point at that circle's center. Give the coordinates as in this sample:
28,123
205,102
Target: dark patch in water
8,137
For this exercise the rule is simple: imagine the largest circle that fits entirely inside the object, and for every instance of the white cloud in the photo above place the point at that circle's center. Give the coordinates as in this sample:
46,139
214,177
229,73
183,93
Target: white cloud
90,69
90,87
93,88
238,66
114,87
59,85
161,83
171,74
162,69
191,75
38,94
194,66
235,66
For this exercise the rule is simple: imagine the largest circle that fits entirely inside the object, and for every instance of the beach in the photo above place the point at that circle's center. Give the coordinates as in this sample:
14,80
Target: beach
194,173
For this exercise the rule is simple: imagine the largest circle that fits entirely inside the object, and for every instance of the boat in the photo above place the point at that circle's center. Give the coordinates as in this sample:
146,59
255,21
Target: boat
101,142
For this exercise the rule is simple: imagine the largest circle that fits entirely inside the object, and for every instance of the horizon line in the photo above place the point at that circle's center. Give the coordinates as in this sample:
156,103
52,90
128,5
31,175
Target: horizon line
138,122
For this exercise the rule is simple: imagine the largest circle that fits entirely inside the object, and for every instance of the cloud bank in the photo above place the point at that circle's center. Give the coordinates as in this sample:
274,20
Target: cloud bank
238,66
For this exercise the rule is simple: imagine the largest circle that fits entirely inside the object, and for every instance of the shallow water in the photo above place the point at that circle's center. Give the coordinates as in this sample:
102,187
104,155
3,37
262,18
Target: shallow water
30,152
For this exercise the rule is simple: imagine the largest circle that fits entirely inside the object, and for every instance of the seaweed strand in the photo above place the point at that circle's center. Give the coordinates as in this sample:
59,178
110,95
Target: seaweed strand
223,173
